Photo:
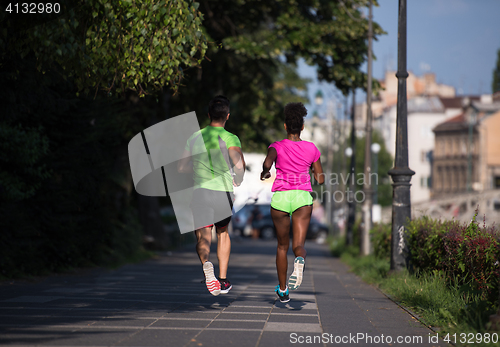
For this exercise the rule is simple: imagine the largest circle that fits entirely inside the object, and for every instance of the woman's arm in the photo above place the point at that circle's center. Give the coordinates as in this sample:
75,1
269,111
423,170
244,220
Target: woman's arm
268,163
317,170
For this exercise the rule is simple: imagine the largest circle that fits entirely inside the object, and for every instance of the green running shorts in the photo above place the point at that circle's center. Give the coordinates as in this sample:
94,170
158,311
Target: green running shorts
290,200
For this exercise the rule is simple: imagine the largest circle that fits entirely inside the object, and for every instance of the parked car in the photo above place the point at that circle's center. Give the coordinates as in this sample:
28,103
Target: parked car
317,231
240,219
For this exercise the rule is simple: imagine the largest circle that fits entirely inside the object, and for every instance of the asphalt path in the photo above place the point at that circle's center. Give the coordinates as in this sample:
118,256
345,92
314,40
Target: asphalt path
163,302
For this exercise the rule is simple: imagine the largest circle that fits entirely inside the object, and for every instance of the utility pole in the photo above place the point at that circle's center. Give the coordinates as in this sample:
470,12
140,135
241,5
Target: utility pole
401,173
329,164
367,204
352,179
343,146
471,120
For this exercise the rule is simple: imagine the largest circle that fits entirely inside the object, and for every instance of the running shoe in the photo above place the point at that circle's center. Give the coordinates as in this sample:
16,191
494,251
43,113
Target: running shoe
211,281
225,286
295,279
283,296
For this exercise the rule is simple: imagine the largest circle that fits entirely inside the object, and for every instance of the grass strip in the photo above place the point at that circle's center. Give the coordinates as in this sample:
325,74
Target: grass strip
448,310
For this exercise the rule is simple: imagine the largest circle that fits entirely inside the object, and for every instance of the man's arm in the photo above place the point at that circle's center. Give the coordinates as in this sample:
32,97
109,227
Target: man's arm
238,162
268,163
185,165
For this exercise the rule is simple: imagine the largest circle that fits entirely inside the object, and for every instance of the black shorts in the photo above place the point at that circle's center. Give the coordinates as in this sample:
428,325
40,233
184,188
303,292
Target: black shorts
211,207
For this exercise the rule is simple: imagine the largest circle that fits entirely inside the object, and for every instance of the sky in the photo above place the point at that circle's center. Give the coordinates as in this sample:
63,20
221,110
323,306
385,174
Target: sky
455,39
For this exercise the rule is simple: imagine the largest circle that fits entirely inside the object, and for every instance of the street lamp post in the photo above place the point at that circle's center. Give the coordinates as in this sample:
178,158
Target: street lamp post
401,173
314,124
367,204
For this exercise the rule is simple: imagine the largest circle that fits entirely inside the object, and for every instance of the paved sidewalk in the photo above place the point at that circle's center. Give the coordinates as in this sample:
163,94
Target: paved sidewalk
162,302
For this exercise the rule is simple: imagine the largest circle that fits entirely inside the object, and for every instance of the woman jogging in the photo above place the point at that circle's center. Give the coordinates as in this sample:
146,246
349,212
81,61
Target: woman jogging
293,159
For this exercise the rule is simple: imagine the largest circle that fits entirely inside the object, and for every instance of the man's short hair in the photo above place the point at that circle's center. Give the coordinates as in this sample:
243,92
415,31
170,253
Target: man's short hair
218,108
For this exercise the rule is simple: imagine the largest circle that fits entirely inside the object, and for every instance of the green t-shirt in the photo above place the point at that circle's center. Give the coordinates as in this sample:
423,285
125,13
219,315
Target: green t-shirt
211,170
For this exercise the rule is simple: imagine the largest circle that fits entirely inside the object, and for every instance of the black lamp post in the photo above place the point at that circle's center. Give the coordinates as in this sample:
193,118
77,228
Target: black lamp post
401,173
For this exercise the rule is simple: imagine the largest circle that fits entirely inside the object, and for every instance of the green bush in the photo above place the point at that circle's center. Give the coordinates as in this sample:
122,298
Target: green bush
466,253
381,240
425,239
454,284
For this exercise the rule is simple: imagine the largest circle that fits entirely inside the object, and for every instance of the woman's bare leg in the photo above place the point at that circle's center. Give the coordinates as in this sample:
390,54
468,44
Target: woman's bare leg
300,223
281,222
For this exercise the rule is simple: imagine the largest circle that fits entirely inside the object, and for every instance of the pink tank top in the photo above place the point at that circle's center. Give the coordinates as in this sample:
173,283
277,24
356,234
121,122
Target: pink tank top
294,158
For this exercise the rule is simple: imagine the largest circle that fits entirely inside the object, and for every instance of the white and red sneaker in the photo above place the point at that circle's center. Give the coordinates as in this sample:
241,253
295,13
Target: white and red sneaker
213,284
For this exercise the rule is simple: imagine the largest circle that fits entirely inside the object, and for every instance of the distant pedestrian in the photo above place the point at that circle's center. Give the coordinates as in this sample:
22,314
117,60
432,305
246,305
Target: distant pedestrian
292,186
210,155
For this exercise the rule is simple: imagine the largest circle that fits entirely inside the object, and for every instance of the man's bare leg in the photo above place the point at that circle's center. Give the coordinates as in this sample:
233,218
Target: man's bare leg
204,237
223,250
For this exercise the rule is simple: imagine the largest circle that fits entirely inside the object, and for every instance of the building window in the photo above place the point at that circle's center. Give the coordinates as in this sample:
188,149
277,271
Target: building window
496,182
424,181
464,147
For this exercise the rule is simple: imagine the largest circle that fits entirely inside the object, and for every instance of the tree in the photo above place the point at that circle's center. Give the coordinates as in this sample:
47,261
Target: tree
330,35
385,162
256,42
111,45
495,85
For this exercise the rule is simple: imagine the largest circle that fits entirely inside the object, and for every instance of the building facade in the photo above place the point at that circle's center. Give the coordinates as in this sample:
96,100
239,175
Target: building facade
466,155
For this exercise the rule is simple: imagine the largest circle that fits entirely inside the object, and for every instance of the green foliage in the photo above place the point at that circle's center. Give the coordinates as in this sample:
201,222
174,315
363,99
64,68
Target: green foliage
258,46
426,242
381,240
382,181
21,149
67,202
452,306
439,304
467,254
495,84
338,248
385,163
330,35
118,44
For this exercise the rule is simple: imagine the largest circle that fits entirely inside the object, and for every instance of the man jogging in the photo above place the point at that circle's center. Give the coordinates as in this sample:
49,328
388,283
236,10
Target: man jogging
215,158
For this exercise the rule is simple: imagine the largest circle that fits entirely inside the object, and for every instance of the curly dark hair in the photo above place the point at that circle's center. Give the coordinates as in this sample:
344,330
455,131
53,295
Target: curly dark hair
294,117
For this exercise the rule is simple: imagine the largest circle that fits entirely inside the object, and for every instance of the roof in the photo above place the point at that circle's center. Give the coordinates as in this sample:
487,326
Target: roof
455,123
496,96
486,107
456,101
425,104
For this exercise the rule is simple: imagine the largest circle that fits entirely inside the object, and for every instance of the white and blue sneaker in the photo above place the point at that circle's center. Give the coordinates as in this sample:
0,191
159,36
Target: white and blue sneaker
282,295
295,279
